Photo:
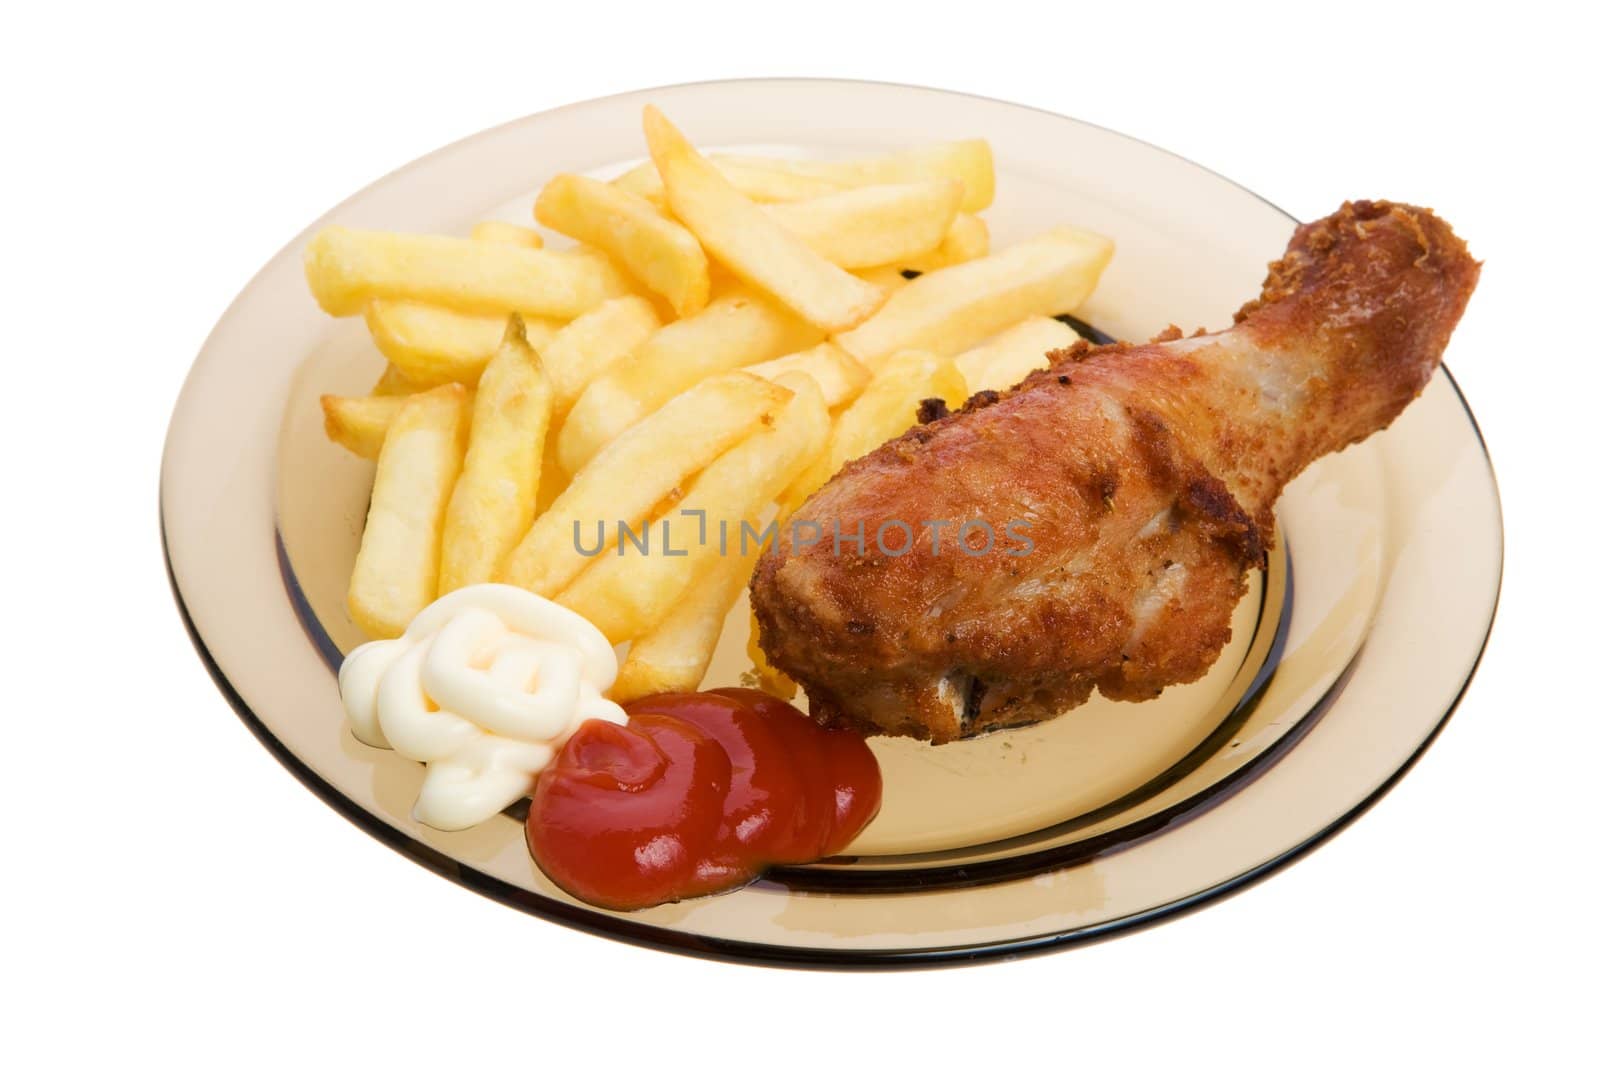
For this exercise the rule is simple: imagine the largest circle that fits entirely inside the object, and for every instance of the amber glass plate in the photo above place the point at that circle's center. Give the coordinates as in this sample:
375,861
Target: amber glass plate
1349,653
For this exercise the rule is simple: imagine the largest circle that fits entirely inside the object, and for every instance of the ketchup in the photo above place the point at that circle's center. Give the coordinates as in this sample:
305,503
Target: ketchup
698,793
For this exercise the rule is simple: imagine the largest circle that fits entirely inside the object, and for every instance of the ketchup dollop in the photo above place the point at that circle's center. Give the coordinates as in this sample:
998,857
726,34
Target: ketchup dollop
698,793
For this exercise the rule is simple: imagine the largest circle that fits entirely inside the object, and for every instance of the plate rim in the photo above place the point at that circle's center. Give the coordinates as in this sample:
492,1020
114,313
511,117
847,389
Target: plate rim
617,926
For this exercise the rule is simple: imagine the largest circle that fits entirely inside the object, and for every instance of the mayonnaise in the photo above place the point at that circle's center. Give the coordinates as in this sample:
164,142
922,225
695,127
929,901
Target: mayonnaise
484,687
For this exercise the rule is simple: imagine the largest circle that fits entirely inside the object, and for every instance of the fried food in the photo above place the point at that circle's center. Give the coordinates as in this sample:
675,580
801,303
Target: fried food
393,383
1146,475
967,238
888,278
359,423
747,240
763,184
655,249
396,571
674,656
428,345
970,162
553,481
493,501
840,376
876,224
1008,357
767,677
790,284
735,330
592,344
629,593
346,268
507,233
628,480
948,311
889,404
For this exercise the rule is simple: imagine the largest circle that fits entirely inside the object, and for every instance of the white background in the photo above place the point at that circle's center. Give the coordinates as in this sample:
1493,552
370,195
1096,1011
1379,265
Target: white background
171,892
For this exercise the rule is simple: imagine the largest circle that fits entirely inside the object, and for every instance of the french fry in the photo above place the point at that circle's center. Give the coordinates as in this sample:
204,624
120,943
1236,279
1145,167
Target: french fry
967,238
763,184
642,180
498,448
507,233
1008,357
744,237
430,345
346,268
553,481
724,281
674,656
839,375
948,311
628,594
875,224
885,409
969,162
734,330
888,278
594,342
626,481
654,249
397,567
359,423
393,383
493,500
572,355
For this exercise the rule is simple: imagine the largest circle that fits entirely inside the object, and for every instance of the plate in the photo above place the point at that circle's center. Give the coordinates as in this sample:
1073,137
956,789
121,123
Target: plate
1349,654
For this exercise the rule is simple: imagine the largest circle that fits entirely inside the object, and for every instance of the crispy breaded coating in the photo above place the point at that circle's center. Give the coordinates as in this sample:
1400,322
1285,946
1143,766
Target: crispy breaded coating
1143,478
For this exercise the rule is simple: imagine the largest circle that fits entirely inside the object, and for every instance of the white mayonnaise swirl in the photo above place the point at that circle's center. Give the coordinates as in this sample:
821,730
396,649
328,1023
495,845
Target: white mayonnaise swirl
484,687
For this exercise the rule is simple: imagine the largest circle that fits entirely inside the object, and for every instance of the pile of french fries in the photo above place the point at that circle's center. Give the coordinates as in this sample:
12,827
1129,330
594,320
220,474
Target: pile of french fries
724,335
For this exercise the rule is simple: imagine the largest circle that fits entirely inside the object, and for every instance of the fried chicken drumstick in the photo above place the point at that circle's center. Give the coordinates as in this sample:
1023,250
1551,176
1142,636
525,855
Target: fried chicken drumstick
1145,475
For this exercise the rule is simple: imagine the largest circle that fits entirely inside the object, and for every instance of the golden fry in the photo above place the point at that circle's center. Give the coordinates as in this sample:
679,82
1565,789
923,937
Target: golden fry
734,330
888,278
626,481
1008,357
629,593
876,224
674,656
506,233
430,345
884,410
745,238
394,383
397,567
346,268
594,342
839,375
948,311
763,184
969,162
967,238
553,481
655,249
359,423
493,501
